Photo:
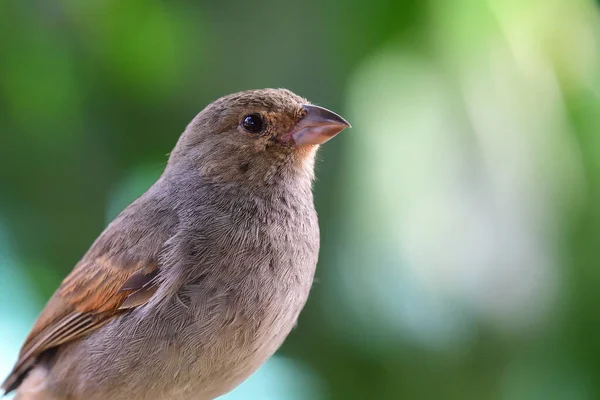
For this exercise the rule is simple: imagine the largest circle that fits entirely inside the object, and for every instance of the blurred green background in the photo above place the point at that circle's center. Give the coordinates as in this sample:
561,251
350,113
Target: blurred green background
460,215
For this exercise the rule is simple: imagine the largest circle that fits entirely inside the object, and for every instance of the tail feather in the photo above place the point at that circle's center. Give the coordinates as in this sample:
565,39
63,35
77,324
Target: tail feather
16,376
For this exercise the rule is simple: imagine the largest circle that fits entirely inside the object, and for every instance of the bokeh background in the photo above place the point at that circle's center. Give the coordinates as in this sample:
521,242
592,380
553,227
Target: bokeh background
460,215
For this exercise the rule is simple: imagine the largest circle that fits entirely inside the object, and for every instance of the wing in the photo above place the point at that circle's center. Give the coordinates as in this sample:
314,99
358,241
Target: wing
100,287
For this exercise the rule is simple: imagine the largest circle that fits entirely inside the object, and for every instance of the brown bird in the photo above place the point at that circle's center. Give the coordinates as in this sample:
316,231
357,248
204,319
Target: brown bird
197,282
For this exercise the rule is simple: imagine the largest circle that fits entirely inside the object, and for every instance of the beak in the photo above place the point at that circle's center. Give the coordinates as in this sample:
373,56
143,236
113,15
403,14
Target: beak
317,126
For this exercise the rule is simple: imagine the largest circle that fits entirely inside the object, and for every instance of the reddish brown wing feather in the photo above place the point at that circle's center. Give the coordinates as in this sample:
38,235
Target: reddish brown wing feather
94,292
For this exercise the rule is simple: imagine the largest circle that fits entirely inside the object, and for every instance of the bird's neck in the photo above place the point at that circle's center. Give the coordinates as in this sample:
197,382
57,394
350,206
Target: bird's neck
290,185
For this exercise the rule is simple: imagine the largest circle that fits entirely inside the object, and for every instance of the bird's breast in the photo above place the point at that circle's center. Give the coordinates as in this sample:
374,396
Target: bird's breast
236,313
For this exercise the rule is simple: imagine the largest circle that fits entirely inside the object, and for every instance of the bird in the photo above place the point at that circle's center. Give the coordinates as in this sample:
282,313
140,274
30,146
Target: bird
196,283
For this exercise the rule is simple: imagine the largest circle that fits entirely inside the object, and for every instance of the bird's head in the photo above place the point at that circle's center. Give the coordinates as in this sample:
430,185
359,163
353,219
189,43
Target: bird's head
256,136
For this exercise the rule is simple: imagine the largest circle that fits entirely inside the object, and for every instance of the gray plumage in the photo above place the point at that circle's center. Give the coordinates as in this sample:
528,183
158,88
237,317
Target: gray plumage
224,247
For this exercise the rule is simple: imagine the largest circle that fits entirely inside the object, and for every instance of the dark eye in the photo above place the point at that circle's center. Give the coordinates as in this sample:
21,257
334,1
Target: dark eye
253,123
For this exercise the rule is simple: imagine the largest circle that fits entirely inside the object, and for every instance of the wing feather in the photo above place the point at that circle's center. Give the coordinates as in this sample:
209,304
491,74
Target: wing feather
88,298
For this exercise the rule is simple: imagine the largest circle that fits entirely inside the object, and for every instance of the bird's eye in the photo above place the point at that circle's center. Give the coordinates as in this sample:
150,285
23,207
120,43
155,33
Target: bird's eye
253,123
